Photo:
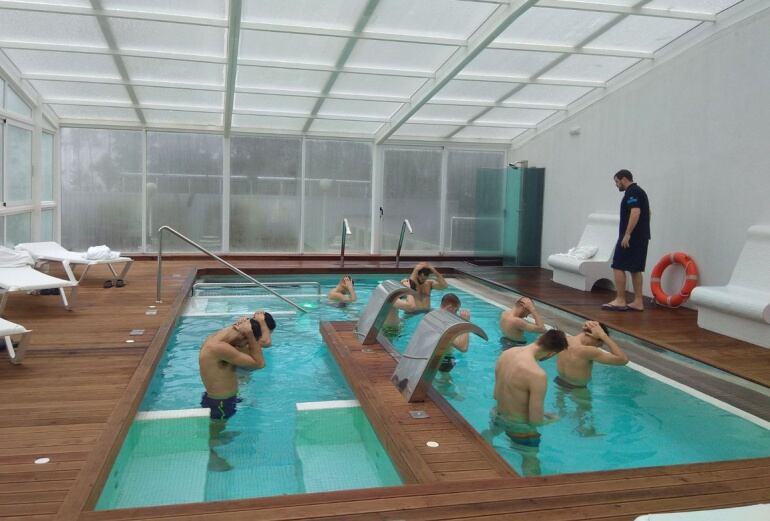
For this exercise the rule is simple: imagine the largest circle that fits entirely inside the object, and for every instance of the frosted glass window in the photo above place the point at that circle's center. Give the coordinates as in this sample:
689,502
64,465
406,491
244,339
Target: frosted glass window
453,113
338,184
46,225
474,90
2,93
515,64
180,97
46,163
95,113
544,26
146,35
376,85
589,68
290,47
283,79
515,116
265,193
153,69
2,231
474,201
329,14
182,117
417,130
438,18
42,27
372,109
642,33
490,133
184,188
68,90
66,63
18,229
379,54
549,94
341,126
18,165
267,122
101,188
202,8
411,190
296,104
14,103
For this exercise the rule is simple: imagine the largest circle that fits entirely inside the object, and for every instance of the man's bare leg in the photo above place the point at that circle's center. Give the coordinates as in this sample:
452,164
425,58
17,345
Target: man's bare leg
636,280
620,289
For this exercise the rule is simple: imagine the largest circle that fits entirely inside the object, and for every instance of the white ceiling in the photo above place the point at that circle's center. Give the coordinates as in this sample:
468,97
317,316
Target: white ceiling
428,69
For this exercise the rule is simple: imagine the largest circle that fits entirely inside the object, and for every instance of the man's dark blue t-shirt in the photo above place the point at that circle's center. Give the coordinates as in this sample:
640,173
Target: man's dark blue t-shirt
635,197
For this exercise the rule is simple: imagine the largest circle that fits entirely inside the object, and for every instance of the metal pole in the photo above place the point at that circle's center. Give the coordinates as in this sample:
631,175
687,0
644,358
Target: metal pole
160,267
210,254
345,232
404,226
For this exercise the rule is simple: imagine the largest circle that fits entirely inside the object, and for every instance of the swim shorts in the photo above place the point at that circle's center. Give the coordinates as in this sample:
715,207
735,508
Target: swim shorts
448,363
221,408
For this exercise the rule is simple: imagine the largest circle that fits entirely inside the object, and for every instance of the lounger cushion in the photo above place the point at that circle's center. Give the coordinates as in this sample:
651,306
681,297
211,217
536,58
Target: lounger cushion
8,328
27,279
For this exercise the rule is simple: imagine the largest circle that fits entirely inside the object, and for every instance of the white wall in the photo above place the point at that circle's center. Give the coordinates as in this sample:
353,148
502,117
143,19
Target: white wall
695,132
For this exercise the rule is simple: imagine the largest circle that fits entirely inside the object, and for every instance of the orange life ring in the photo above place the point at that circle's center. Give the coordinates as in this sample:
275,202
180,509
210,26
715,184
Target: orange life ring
690,281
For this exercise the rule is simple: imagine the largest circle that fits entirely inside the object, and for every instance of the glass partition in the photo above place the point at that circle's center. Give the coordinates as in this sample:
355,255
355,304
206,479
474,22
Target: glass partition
101,188
46,167
265,193
18,165
47,232
14,103
18,228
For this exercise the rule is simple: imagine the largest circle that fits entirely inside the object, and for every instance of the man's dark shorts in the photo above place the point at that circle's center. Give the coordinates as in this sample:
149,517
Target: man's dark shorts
221,408
633,258
448,363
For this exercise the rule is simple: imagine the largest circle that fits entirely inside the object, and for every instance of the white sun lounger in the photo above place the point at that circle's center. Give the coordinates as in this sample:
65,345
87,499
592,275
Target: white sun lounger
26,278
8,329
55,252
759,512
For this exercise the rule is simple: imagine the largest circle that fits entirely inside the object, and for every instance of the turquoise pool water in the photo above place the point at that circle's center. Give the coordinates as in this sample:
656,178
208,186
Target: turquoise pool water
270,447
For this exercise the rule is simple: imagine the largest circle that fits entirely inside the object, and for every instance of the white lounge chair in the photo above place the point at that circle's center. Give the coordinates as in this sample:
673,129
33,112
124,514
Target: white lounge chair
600,232
26,278
54,252
741,309
759,512
8,329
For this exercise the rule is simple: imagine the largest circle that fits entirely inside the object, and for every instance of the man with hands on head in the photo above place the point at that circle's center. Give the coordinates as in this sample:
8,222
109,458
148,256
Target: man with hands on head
344,291
513,323
421,282
575,364
237,345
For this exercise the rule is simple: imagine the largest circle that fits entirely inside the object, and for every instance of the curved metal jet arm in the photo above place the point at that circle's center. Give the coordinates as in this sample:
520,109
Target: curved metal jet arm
377,309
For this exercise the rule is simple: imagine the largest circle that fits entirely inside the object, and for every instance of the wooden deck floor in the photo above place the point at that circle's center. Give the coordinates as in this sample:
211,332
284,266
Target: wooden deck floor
67,401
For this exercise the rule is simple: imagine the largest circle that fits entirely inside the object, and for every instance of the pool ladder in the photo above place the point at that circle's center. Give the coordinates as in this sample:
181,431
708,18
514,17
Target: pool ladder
404,226
345,232
213,256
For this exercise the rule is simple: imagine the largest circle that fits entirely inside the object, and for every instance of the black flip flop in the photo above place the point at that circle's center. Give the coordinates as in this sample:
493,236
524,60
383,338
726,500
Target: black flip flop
120,283
107,283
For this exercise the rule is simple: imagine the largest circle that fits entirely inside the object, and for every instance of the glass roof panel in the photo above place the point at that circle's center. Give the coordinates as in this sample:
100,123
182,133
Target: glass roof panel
81,91
554,26
168,37
551,94
430,131
153,69
296,104
439,18
70,3
41,27
642,33
474,90
515,116
343,107
283,79
621,3
329,14
353,127
490,133
693,6
176,116
376,85
268,122
452,113
90,112
590,68
203,8
67,63
378,54
289,47
183,97
516,64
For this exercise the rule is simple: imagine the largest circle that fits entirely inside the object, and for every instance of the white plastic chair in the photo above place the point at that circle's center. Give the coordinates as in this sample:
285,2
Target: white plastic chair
26,278
54,252
9,329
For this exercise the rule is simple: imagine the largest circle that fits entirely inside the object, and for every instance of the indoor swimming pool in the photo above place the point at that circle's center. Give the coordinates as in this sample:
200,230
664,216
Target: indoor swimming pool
298,428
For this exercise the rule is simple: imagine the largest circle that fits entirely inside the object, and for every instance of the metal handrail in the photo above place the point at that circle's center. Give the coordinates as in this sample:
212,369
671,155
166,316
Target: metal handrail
316,285
345,232
214,256
404,226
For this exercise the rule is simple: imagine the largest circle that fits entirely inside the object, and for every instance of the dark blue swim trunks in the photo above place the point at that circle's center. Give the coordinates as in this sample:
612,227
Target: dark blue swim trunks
221,408
507,343
447,363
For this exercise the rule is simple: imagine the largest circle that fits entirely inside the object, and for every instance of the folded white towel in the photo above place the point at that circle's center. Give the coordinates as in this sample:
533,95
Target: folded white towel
101,253
14,259
582,252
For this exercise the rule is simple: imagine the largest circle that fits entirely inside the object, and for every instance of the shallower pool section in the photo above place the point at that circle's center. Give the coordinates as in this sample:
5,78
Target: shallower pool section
297,427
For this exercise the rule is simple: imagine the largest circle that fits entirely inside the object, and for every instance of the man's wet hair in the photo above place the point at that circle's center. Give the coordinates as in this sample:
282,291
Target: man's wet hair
450,299
351,279
257,329
624,174
413,284
425,272
604,327
553,340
